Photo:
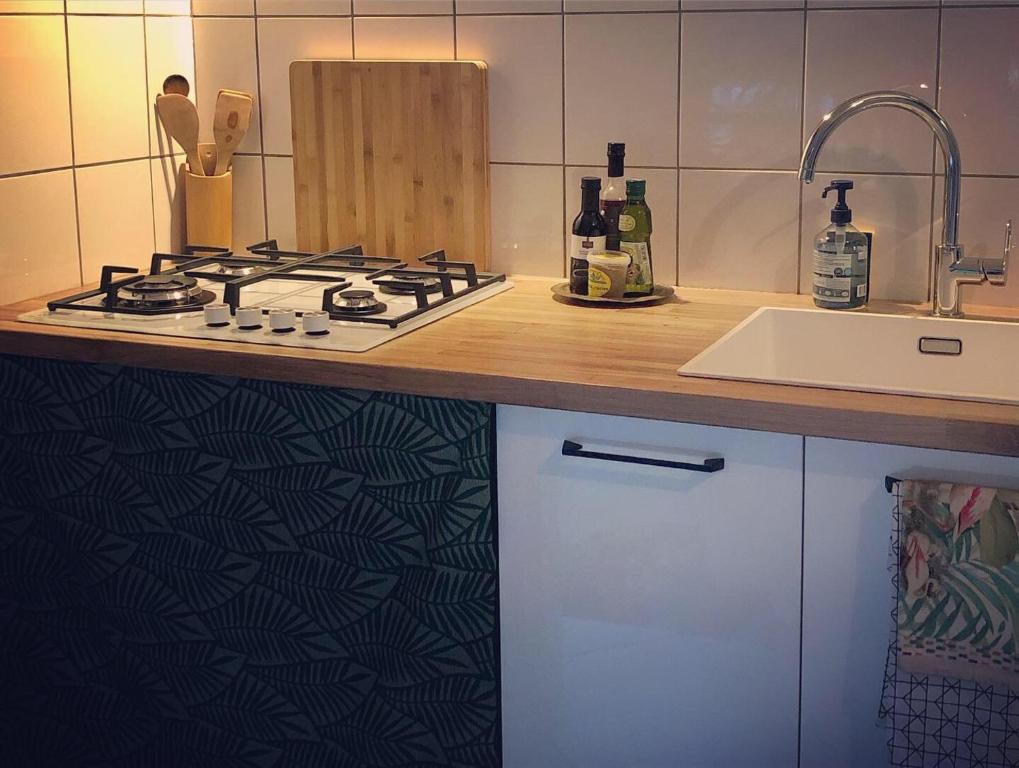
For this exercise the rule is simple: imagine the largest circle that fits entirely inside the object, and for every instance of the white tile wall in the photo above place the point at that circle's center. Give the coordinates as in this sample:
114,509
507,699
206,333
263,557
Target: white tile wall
115,216
741,109
713,98
37,254
528,239
641,88
109,100
38,133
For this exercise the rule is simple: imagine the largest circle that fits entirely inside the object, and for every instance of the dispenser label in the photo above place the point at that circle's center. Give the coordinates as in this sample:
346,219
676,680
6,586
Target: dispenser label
833,276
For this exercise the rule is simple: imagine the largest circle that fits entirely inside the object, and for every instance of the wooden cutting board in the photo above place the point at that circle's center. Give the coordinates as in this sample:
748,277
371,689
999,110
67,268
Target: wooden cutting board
392,155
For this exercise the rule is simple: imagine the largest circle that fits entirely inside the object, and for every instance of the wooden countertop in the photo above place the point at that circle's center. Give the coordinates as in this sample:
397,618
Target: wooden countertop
524,348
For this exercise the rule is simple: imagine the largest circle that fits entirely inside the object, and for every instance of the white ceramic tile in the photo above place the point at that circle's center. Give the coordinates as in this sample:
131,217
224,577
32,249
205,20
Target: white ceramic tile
741,110
169,47
225,58
401,7
279,198
405,37
302,7
613,6
635,99
280,42
527,235
985,207
33,76
115,216
108,89
223,7
249,206
892,49
508,6
738,5
168,203
39,249
524,55
661,199
173,7
738,230
897,209
980,86
866,3
104,6
31,6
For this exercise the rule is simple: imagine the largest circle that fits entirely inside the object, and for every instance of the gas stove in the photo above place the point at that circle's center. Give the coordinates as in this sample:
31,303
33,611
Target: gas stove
341,300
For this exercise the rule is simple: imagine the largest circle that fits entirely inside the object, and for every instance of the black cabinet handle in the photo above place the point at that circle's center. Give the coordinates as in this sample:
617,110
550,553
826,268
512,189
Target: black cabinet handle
571,448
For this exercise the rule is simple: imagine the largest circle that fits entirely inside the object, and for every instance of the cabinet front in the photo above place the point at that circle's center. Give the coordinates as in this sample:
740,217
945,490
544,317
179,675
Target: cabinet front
649,613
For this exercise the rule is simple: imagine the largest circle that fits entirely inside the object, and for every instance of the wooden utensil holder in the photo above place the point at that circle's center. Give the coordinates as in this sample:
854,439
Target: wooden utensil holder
208,205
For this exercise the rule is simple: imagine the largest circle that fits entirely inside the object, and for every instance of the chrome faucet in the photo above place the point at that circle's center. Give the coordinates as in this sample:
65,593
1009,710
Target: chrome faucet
950,269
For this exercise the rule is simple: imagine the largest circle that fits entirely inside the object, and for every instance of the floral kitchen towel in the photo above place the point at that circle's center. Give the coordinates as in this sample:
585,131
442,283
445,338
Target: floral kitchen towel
950,697
959,591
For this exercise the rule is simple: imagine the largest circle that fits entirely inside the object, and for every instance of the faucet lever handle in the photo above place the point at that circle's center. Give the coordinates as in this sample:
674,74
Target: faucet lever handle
997,271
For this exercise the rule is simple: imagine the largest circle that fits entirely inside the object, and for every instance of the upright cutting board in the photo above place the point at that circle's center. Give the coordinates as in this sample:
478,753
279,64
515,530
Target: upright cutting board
392,155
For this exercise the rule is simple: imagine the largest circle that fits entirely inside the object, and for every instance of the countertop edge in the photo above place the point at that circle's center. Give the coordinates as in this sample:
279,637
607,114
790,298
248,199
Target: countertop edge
838,422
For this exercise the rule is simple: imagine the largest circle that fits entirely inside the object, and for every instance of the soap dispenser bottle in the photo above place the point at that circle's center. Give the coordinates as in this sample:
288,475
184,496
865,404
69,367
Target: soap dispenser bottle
841,257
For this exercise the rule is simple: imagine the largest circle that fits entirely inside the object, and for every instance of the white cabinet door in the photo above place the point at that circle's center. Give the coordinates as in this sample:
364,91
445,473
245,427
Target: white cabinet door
649,616
847,595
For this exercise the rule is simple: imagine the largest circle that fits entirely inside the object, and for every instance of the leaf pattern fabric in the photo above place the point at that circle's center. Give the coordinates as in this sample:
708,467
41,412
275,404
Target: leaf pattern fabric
958,612
213,571
950,695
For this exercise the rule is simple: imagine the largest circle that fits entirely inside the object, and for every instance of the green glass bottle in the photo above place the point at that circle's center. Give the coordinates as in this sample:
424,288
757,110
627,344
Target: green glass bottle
635,239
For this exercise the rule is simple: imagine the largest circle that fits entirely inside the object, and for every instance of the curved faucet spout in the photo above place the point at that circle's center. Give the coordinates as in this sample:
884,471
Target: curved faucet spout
949,268
938,125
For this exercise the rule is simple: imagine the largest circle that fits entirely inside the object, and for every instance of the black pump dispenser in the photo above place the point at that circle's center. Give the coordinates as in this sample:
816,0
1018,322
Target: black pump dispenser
841,214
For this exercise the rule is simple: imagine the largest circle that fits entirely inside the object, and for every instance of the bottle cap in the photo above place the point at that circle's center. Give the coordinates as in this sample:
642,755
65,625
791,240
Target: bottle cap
635,187
616,149
591,182
841,214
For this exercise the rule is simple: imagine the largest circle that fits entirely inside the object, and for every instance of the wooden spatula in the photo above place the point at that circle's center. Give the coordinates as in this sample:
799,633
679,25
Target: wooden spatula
230,123
180,119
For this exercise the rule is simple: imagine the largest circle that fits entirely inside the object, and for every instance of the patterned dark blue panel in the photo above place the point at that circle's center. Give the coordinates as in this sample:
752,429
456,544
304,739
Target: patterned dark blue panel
208,571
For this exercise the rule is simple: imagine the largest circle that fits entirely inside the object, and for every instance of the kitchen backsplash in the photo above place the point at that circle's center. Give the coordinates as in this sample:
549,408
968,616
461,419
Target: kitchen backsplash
713,99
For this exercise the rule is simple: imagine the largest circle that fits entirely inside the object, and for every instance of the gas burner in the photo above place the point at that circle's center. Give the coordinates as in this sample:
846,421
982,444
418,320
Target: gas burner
163,291
358,302
430,284
236,270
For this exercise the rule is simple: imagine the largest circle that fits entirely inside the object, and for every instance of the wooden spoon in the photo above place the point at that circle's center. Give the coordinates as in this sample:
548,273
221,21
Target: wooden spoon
207,151
229,125
180,119
176,84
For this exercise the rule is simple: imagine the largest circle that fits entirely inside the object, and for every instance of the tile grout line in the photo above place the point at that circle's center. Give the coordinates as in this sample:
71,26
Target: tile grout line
934,161
799,196
261,122
564,251
679,129
74,157
148,124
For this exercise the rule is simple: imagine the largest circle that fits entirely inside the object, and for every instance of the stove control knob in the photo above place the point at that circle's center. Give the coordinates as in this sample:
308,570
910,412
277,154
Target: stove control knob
217,315
282,320
249,318
315,323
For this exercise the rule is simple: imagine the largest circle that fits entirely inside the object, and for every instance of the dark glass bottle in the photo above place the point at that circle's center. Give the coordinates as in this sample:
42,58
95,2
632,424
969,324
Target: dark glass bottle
613,197
588,234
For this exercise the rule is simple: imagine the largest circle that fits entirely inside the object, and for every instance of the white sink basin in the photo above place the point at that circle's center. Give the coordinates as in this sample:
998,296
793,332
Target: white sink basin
962,359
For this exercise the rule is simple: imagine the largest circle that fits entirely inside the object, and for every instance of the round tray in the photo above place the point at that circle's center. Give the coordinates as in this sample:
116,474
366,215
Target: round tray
661,293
